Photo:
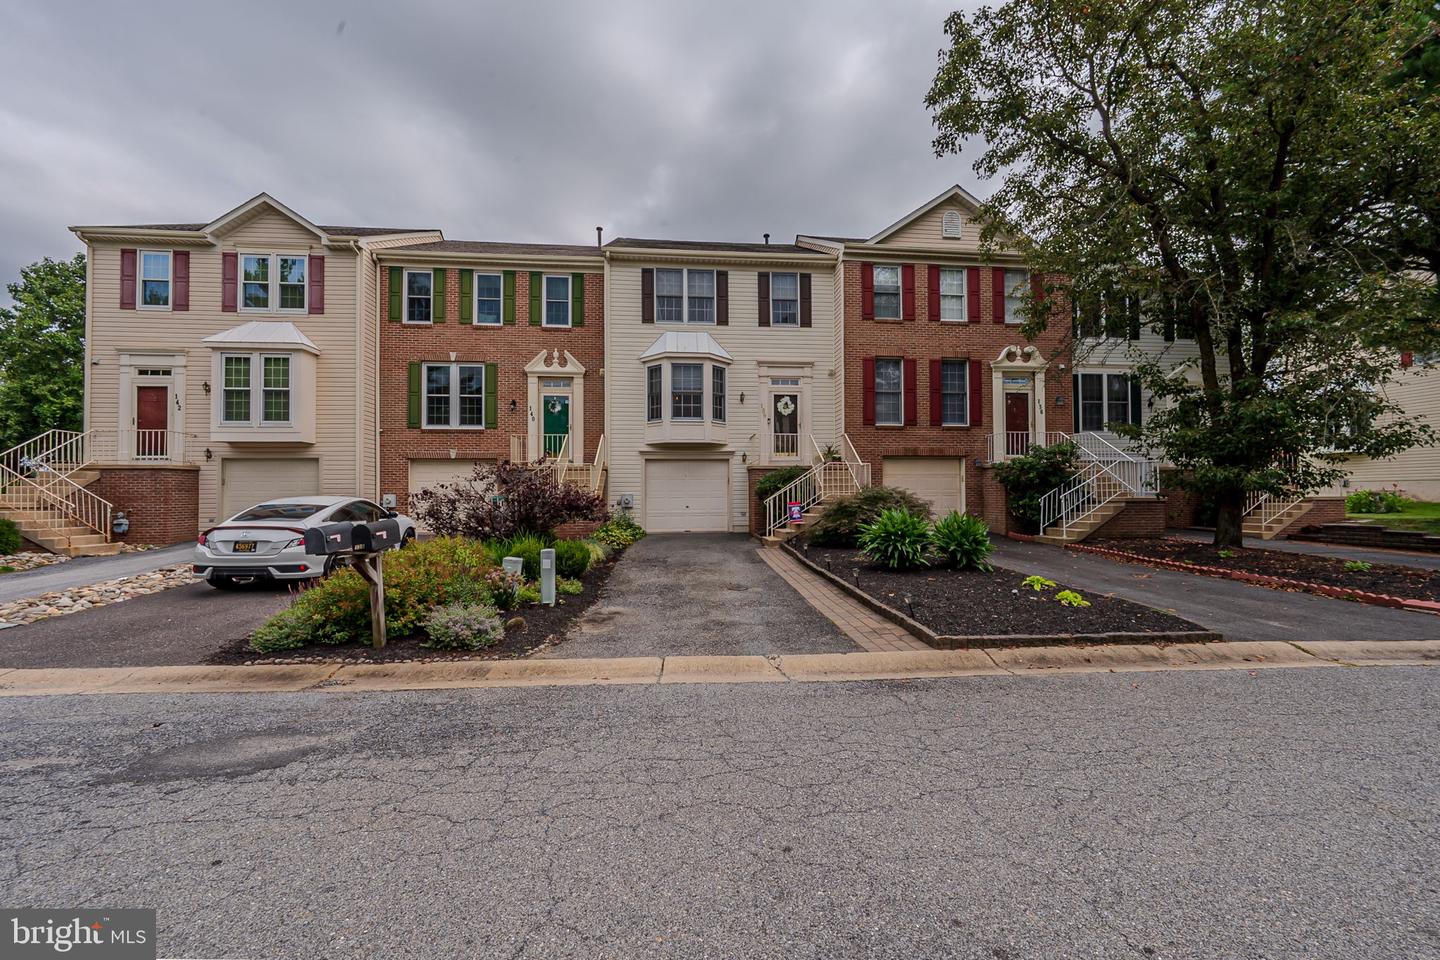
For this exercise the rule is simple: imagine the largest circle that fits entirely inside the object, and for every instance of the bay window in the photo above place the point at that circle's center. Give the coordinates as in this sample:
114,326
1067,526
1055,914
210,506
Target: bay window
256,388
687,391
653,390
275,390
717,394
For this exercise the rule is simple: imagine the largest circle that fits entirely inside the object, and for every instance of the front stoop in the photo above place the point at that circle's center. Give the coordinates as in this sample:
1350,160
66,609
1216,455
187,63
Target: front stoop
1086,525
794,529
1269,531
70,541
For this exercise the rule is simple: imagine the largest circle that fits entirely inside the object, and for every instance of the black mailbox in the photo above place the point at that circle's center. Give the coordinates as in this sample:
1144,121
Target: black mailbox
377,535
329,538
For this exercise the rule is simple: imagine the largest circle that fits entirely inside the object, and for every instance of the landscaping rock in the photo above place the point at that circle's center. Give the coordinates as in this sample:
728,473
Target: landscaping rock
55,604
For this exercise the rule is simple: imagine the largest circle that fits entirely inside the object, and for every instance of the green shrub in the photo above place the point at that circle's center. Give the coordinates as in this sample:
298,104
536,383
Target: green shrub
618,532
1357,566
1376,501
572,559
462,626
1070,598
896,539
839,525
427,574
527,547
501,588
530,593
568,587
1028,478
9,537
1038,583
962,540
599,552
777,480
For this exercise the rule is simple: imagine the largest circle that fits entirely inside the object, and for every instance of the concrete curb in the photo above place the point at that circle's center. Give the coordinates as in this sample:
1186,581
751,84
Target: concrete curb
982,641
812,668
1264,580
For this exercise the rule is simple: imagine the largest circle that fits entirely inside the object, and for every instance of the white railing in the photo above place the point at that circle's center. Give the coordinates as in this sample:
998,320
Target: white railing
825,480
54,502
1107,473
782,446
859,469
597,469
560,463
517,449
1265,509
65,451
1017,443
553,444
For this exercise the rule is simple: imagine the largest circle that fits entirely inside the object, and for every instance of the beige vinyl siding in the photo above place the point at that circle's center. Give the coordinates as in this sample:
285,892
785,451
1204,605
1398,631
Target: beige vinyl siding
924,231
748,343
1415,471
115,331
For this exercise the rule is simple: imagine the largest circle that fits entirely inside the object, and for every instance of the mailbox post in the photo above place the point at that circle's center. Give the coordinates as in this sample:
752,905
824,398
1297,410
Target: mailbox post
363,546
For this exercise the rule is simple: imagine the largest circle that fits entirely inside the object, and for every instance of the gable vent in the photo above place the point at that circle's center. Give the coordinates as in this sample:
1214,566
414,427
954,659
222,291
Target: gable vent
950,225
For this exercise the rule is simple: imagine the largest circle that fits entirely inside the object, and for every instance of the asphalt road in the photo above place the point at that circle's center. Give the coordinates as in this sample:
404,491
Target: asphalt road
1284,814
1239,611
699,593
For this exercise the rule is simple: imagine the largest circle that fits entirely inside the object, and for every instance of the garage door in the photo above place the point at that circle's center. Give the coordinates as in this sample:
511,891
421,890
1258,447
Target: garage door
683,495
939,480
430,473
244,483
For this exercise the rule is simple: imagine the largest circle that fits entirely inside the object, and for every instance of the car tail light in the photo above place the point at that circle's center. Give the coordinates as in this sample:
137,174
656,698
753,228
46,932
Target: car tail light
201,539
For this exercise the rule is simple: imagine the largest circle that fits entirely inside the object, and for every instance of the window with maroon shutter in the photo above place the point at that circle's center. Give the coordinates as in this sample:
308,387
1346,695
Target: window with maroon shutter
997,295
762,282
722,298
229,281
647,295
912,416
867,291
180,297
317,284
805,319
936,415
907,283
932,291
972,295
867,380
127,279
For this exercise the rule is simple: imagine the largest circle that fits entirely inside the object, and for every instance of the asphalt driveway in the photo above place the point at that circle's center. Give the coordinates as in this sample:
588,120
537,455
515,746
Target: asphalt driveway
1239,611
183,625
702,593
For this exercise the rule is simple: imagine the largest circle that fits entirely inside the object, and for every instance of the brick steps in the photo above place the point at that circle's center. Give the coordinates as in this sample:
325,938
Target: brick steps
785,533
1086,525
1366,535
1273,527
71,540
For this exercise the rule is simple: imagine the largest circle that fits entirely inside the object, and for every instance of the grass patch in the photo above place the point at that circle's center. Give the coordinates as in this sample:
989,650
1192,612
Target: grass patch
1424,517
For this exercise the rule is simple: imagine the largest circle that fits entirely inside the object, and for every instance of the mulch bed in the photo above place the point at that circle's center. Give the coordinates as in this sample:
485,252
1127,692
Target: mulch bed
1382,578
542,624
957,603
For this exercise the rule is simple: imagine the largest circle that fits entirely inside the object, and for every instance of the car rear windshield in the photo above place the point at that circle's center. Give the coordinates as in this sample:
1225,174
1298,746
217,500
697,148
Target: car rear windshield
281,511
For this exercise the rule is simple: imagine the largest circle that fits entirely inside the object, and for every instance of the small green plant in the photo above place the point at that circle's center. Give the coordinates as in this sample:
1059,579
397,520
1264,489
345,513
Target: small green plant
527,547
1225,554
462,626
1038,583
1376,501
1070,598
839,525
599,552
1357,566
287,630
963,540
568,587
9,538
7,569
530,593
896,539
777,480
572,558
618,532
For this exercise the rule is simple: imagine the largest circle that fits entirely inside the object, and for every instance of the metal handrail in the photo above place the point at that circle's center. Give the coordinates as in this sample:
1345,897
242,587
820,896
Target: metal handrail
1099,482
827,479
56,501
597,469
1266,508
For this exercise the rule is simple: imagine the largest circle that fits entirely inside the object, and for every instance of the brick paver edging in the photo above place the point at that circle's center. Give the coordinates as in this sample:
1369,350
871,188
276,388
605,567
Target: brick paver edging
1001,640
1263,580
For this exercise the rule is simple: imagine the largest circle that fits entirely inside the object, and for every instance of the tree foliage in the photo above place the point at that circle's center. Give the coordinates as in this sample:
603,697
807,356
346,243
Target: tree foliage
42,351
1259,174
504,501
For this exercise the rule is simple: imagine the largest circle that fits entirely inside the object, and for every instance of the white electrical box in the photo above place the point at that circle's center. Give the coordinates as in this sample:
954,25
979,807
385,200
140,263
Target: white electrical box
387,500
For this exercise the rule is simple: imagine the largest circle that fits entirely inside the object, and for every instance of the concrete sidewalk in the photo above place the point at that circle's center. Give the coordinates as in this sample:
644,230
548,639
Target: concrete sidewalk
1403,558
1238,611
795,668
83,571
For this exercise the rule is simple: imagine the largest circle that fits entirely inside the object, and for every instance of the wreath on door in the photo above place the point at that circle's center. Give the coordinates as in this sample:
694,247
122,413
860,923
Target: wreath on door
785,406
554,404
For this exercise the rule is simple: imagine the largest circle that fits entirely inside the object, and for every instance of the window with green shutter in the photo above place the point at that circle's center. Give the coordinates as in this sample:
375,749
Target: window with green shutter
397,294
467,296
577,299
536,281
491,395
437,313
509,308
413,413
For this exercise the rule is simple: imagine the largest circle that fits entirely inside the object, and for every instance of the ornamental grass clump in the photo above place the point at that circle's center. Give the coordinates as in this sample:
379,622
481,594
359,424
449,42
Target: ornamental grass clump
897,539
963,541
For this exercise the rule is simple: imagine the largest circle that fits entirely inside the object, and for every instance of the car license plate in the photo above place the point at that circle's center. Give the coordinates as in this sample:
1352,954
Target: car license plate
244,546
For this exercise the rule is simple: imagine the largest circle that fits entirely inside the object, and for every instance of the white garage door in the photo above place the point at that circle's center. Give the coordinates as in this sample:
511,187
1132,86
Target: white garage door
940,480
686,495
244,483
430,473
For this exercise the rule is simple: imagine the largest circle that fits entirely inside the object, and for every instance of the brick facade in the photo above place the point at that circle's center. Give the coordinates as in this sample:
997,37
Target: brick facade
924,340
161,503
511,347
1140,518
757,509
1322,510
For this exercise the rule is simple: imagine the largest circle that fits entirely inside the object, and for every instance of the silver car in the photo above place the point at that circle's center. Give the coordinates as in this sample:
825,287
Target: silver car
267,541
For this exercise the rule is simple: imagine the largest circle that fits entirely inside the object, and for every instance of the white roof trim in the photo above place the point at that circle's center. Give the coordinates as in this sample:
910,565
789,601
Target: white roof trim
686,343
262,334
956,192
267,200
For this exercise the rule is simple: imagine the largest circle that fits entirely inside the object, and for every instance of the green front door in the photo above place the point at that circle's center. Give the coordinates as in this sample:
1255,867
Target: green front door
556,423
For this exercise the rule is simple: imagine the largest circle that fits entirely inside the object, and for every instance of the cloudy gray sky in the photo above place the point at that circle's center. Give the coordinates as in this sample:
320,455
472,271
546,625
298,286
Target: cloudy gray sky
517,121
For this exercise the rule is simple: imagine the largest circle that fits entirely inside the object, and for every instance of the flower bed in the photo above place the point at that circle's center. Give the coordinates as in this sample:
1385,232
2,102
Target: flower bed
1299,569
969,603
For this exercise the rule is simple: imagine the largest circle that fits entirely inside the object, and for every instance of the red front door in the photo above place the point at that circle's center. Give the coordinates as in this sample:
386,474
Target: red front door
152,419
1017,423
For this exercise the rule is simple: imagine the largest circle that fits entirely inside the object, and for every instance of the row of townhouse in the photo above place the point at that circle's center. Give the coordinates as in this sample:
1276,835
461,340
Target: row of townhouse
261,355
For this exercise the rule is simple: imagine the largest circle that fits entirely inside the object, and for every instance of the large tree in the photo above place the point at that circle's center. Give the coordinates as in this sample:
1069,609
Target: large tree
42,351
1260,175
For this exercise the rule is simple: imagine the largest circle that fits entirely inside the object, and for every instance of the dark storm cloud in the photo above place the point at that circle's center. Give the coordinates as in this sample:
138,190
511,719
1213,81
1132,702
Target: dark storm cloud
525,121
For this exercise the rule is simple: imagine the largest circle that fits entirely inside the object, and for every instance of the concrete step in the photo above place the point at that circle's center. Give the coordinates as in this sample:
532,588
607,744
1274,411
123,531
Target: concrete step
1085,526
96,550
